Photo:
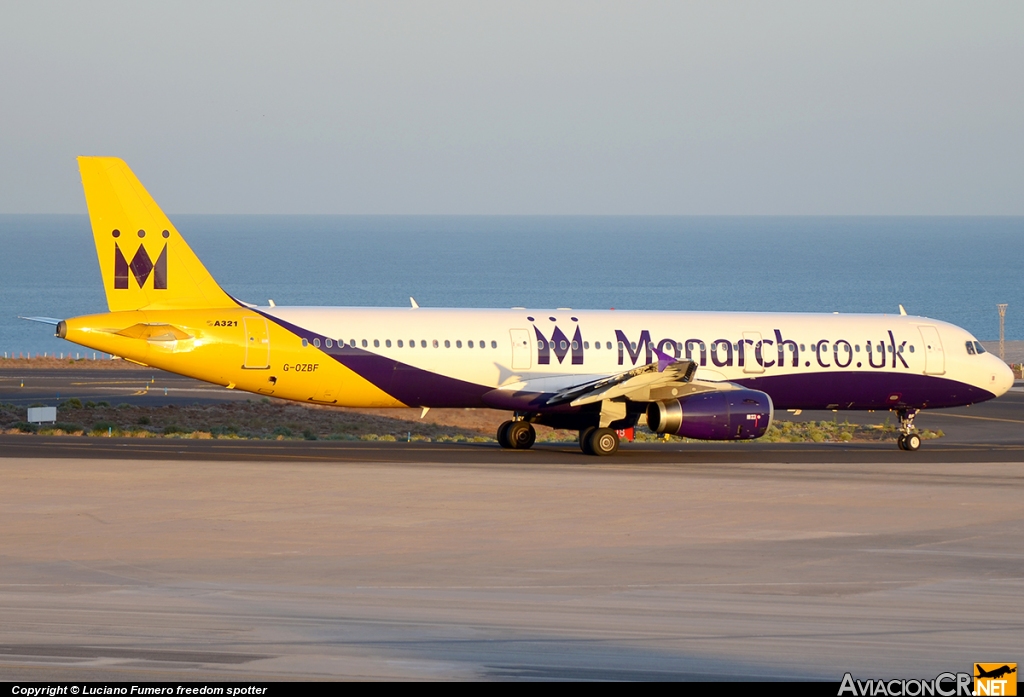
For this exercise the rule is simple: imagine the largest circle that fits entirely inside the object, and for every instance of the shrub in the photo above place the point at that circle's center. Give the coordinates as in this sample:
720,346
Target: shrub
308,435
68,428
171,429
282,432
143,421
26,427
124,405
73,403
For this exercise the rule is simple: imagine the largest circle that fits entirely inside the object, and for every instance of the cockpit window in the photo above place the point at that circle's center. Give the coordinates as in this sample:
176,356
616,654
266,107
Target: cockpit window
978,347
970,348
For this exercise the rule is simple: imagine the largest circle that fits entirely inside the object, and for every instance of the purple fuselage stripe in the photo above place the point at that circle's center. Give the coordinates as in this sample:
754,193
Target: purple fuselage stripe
864,390
410,385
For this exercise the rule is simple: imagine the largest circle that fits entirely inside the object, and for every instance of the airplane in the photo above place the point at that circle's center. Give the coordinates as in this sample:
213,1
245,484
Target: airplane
995,673
701,375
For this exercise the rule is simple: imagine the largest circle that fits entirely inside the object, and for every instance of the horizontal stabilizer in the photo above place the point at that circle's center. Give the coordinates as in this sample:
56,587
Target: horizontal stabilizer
45,320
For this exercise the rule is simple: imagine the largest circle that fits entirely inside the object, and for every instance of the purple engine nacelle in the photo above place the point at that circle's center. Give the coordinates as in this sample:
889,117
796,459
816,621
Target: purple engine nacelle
726,415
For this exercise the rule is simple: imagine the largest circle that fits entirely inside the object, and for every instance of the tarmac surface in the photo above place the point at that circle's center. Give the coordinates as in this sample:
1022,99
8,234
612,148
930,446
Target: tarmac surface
193,560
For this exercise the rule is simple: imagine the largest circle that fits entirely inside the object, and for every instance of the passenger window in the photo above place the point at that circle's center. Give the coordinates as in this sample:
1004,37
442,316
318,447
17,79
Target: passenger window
621,346
412,343
399,343
423,343
365,344
608,345
376,343
435,343
911,348
316,343
802,348
494,344
458,343
352,343
469,344
305,343
857,348
540,345
447,344
978,347
597,344
562,345
328,343
387,343
632,345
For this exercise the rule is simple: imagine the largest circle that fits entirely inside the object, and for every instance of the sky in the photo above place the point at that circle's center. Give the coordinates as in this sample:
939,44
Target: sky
660,108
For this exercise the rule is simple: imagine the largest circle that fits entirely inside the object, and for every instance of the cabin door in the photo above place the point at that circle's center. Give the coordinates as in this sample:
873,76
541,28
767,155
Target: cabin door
522,354
257,343
934,358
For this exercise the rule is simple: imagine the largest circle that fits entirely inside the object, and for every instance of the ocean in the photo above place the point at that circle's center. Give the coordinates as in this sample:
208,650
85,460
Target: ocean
954,269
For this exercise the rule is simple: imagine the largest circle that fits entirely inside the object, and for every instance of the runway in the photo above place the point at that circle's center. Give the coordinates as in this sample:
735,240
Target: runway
191,560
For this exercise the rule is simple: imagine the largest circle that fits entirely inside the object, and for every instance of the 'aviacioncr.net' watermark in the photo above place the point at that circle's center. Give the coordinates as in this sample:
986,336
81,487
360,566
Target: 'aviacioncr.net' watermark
987,680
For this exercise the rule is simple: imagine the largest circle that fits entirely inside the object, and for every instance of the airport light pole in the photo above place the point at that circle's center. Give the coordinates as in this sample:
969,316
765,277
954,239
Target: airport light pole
1002,323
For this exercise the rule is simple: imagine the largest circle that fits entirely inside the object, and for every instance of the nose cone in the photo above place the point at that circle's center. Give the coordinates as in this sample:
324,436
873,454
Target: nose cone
1000,377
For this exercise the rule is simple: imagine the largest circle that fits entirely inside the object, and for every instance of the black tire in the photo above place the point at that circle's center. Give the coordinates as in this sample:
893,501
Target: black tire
585,439
521,435
503,440
911,442
603,441
901,441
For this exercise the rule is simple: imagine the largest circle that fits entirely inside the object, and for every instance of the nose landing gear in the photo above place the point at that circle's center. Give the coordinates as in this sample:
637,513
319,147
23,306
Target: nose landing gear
908,439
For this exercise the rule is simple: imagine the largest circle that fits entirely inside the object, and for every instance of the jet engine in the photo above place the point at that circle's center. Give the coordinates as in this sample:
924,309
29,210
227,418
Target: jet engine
724,415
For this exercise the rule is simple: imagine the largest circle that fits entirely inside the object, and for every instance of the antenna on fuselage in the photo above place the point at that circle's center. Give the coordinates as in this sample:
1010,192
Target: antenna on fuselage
415,305
902,311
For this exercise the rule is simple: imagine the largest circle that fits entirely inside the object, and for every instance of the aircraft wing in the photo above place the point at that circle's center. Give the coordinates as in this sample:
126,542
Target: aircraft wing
636,383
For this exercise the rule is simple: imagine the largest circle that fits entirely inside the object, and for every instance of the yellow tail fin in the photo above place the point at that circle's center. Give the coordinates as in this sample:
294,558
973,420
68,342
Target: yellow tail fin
144,261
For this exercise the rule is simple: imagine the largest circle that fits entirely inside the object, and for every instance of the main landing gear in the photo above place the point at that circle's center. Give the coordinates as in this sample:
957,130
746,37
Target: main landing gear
908,438
516,435
598,441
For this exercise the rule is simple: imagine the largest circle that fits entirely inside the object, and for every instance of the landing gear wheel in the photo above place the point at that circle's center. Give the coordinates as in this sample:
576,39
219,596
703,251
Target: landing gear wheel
603,441
585,434
521,435
908,439
503,440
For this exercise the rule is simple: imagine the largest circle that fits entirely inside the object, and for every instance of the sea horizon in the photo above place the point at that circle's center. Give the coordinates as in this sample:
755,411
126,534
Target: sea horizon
950,268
